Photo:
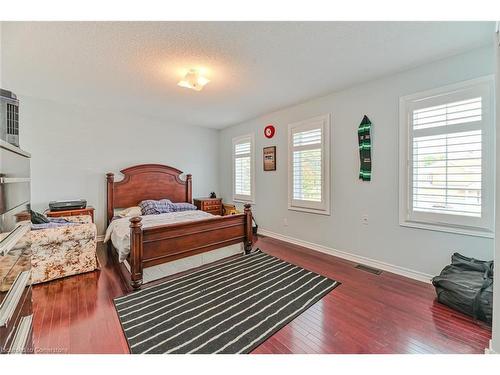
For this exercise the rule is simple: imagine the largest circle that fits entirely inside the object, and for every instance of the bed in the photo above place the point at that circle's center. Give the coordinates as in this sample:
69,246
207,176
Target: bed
151,245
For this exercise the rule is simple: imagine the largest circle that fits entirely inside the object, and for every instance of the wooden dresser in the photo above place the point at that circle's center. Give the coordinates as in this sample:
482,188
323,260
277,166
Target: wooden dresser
89,210
210,205
15,251
16,313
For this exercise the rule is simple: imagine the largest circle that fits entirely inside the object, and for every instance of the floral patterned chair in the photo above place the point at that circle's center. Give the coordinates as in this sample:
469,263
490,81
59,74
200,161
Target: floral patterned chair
64,251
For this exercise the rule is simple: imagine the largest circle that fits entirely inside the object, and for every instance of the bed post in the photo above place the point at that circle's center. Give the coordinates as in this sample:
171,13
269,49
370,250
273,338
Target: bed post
110,177
136,252
189,184
248,228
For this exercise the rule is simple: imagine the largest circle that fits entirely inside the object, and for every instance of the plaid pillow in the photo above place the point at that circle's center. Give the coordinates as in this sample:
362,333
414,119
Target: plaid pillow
58,220
152,207
178,207
52,225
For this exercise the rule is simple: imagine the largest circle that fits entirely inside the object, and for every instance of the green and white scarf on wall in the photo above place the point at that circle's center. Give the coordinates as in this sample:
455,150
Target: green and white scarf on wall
365,148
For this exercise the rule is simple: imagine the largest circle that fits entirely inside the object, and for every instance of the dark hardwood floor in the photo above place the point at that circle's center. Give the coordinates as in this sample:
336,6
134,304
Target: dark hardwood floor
366,314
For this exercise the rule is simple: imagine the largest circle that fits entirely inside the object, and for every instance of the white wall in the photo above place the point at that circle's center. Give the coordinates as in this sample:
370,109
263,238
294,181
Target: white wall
495,342
73,147
0,54
382,239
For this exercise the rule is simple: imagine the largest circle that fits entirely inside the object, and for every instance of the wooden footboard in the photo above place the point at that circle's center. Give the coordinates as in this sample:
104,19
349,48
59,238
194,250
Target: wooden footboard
165,243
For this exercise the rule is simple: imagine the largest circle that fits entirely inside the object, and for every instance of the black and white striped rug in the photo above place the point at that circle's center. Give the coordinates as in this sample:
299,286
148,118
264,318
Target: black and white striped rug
228,308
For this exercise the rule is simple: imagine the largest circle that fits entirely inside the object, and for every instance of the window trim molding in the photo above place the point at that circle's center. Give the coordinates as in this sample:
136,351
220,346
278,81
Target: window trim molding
326,146
405,148
241,198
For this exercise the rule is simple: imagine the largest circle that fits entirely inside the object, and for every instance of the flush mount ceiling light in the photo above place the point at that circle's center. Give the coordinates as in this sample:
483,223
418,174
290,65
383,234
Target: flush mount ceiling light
193,80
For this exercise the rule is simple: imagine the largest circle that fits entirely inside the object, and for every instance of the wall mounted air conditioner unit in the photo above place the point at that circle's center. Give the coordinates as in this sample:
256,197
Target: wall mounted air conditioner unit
9,117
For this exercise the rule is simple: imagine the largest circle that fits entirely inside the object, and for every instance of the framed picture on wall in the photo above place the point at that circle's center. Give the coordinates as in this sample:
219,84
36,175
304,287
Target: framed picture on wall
269,158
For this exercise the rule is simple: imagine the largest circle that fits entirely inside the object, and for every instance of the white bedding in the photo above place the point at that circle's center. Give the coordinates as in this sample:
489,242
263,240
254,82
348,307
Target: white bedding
119,229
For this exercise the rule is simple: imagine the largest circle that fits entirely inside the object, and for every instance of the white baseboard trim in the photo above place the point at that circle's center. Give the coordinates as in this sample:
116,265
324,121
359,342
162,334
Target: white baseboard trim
490,350
412,274
100,238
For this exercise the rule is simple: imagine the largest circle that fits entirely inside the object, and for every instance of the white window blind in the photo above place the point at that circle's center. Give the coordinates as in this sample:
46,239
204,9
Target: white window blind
243,168
461,112
448,166
308,165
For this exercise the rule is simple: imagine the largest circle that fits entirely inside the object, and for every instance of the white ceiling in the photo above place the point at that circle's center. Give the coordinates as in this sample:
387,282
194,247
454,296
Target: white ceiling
254,67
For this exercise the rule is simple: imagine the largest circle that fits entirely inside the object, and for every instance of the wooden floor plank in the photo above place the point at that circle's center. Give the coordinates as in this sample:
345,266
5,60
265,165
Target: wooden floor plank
368,313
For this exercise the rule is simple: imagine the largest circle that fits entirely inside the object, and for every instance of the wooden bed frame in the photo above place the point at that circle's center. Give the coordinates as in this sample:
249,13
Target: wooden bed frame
165,243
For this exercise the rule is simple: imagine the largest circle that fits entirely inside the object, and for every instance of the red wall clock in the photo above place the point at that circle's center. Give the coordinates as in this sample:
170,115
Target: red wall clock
269,131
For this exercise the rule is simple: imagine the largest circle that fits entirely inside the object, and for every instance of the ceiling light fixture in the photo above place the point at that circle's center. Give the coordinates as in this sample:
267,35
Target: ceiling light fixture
193,80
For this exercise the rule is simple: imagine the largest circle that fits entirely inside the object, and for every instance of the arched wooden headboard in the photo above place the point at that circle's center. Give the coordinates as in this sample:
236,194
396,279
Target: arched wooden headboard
147,181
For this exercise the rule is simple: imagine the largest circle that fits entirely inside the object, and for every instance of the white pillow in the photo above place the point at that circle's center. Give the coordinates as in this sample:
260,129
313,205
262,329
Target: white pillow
131,211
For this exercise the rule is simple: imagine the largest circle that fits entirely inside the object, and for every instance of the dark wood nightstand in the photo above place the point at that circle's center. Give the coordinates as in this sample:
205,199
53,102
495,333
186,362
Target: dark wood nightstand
210,205
89,210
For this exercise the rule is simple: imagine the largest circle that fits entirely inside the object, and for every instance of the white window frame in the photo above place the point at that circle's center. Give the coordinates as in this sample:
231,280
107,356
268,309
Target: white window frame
237,197
323,207
483,226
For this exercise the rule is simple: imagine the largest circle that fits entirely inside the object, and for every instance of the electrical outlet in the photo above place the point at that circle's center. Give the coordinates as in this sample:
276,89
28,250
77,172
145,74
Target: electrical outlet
364,219
285,222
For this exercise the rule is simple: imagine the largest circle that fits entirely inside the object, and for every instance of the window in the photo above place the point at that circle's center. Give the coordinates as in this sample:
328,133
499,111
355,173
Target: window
446,158
309,165
243,169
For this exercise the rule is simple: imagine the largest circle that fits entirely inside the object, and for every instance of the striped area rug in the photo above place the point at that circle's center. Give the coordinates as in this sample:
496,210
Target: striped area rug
231,307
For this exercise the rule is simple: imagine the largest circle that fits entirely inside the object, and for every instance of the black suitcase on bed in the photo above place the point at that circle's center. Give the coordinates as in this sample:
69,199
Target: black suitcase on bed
466,285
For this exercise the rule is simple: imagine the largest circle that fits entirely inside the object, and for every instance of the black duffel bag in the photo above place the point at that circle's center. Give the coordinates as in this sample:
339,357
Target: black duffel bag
471,264
467,286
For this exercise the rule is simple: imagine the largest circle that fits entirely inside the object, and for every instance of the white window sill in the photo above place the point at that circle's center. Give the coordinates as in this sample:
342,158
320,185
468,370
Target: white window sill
243,201
449,229
309,210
